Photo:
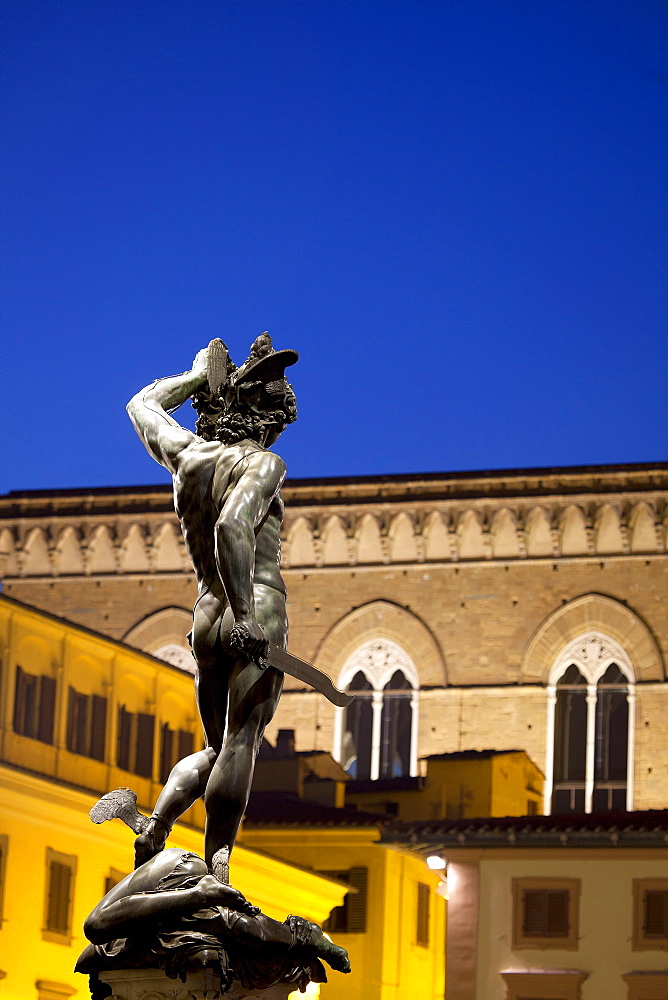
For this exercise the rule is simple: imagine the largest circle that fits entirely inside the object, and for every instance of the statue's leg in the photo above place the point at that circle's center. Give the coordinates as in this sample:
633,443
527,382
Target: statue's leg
185,784
188,778
253,697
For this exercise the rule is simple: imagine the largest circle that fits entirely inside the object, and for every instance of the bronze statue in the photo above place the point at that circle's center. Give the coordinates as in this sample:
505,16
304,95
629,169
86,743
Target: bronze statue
172,914
227,495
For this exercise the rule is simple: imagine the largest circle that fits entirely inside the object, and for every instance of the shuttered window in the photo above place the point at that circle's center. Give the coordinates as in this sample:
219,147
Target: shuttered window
60,874
86,724
134,747
34,705
350,917
423,899
545,913
113,878
656,913
144,755
175,744
650,916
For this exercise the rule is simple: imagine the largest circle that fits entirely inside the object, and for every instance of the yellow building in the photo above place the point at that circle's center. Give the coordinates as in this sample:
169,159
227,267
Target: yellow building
81,713
455,785
569,907
392,925
73,705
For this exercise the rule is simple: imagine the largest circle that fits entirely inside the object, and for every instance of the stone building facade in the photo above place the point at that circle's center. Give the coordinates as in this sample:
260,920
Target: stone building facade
522,609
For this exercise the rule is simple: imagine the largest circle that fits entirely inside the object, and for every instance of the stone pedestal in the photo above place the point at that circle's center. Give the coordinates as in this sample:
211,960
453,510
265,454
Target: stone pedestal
153,984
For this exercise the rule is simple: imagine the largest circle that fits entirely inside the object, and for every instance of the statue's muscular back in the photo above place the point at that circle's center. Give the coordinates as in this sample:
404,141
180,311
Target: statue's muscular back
207,473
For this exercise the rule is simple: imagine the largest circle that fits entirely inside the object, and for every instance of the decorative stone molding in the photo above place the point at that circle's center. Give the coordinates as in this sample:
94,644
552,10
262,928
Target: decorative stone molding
382,622
486,517
378,659
592,613
592,653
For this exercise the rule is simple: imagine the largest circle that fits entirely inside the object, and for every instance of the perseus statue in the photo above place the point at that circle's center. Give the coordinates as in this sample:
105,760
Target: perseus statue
227,493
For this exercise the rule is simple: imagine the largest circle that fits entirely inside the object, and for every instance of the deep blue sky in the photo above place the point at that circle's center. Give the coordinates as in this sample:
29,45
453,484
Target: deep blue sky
455,211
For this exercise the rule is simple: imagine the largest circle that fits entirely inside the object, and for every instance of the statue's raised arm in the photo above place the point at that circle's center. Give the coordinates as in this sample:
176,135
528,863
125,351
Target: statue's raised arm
150,409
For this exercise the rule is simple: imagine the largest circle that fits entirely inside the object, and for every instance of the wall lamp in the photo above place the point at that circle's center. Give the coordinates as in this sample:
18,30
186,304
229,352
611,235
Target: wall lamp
439,864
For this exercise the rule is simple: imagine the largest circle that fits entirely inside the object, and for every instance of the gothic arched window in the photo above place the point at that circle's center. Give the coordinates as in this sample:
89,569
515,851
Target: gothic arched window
590,723
356,746
376,735
395,727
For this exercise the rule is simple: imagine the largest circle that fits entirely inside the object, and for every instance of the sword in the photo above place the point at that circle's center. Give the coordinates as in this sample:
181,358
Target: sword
288,663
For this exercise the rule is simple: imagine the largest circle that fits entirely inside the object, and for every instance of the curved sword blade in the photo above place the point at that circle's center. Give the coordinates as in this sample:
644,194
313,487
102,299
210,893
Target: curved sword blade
304,671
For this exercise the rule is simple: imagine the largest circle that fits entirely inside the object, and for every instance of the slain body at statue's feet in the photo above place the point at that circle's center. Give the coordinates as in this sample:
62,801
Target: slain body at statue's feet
172,914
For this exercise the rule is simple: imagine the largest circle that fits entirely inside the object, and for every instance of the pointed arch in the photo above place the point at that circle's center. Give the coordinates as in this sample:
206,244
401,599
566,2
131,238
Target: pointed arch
608,532
37,561
163,633
70,560
504,535
167,549
592,612
402,539
102,556
383,620
8,560
369,548
301,551
643,531
135,559
539,535
471,545
573,533
436,535
335,543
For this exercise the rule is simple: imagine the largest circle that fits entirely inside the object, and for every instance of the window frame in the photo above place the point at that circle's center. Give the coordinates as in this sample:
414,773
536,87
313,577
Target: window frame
135,749
567,942
353,912
70,861
378,660
640,941
592,653
87,724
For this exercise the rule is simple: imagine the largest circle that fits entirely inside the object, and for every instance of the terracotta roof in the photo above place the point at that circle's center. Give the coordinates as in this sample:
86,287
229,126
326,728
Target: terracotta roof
382,785
286,809
469,754
628,829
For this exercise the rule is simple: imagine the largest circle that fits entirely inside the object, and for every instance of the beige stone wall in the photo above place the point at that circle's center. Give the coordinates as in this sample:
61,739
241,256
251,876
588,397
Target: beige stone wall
480,578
